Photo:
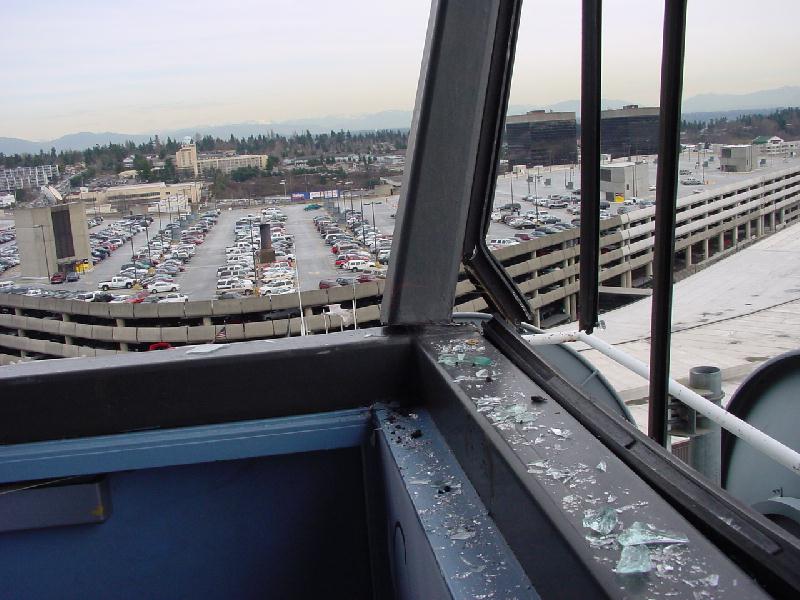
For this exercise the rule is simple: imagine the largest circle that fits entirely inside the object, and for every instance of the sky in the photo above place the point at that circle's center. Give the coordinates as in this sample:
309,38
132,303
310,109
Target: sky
140,67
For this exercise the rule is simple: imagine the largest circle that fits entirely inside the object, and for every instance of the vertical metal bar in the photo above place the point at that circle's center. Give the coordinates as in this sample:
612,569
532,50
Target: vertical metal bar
590,165
666,194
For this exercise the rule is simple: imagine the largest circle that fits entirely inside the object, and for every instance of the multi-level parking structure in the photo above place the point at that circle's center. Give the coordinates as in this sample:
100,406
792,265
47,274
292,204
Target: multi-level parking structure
710,225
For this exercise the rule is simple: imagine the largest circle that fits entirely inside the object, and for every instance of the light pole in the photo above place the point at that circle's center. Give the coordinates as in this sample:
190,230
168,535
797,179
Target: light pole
374,227
44,245
285,195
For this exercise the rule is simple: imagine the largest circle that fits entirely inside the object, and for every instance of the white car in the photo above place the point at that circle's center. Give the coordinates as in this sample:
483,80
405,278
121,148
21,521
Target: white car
169,298
233,283
163,286
274,290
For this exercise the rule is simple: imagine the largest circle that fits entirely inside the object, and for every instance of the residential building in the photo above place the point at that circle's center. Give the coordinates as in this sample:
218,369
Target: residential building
775,146
187,159
27,177
629,131
738,158
542,138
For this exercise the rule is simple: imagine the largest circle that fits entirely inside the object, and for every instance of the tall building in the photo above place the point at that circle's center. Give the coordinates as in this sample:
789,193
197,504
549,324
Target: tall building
541,138
187,159
26,177
629,131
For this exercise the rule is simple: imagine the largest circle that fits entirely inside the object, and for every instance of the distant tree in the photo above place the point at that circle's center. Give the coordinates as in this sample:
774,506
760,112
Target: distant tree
142,166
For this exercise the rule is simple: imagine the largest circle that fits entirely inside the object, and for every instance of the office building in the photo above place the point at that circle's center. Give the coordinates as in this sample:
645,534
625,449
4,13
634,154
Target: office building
52,238
541,138
27,177
629,131
138,197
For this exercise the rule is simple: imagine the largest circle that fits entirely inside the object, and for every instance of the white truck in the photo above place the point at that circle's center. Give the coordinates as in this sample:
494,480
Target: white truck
116,283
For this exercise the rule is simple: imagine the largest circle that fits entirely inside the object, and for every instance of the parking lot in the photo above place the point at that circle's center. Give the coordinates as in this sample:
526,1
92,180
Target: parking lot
314,261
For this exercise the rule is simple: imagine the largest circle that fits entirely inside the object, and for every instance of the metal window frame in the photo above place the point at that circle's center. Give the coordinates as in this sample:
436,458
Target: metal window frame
454,143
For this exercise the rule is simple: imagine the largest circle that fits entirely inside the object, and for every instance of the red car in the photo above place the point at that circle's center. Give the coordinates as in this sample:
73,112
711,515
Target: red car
365,277
58,278
137,298
324,284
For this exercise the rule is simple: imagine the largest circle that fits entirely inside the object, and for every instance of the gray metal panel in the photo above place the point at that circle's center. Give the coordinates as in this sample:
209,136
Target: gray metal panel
26,506
443,145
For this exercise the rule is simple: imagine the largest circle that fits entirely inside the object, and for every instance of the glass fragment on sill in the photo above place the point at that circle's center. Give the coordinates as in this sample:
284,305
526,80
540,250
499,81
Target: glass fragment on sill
462,358
640,534
461,533
634,559
602,466
602,521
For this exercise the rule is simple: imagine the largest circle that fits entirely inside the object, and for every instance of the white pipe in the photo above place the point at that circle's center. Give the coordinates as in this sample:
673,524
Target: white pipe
776,450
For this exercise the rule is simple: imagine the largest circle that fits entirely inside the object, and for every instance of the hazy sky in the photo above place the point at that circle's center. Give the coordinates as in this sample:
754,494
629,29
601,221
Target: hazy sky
137,67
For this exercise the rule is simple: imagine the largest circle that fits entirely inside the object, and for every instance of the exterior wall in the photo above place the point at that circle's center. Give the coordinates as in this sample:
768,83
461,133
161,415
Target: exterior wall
624,179
37,244
540,138
27,177
145,193
737,158
226,164
186,158
545,269
629,131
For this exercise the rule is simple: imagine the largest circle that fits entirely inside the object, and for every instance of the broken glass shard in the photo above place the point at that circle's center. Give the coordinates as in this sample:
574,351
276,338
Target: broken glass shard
639,534
482,373
602,466
634,559
451,360
603,520
461,533
562,433
538,466
711,581
481,361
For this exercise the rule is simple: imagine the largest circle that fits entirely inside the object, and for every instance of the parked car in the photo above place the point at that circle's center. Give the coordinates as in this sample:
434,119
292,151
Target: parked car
163,286
170,298
58,278
324,284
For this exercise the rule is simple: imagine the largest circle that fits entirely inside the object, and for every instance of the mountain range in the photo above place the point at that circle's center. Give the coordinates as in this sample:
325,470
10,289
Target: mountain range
700,107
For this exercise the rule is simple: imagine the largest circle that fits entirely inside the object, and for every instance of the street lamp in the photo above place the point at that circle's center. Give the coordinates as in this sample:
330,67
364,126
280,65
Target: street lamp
283,183
374,227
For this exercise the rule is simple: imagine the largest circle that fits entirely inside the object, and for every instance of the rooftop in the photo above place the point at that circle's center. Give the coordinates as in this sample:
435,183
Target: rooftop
735,314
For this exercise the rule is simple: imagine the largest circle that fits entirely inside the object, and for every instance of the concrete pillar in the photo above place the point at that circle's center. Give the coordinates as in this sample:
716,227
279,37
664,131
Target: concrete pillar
537,318
722,241
748,229
648,268
627,278
207,321
20,332
706,247
688,257
760,226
